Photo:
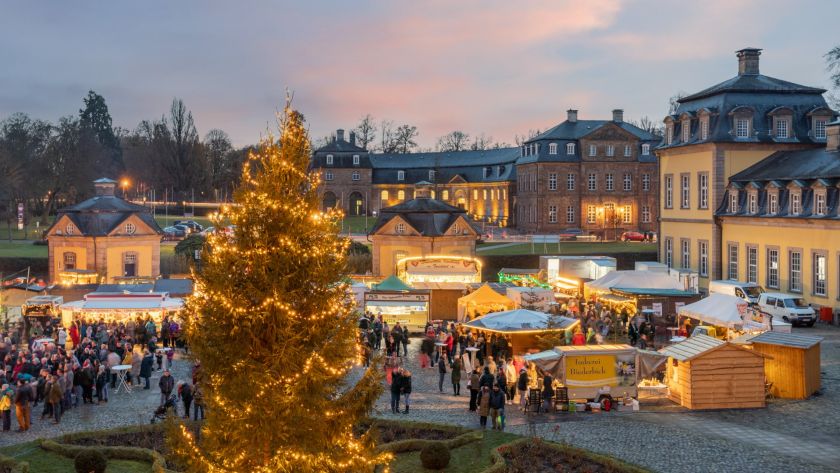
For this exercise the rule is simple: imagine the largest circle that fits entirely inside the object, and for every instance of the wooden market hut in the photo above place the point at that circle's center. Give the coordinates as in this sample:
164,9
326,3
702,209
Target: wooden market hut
707,373
791,363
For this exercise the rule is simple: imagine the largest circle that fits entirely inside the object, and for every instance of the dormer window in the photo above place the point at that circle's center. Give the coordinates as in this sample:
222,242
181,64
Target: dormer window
773,202
819,128
669,133
432,175
355,160
645,149
704,127
400,175
733,202
329,160
795,202
686,131
742,128
570,147
487,171
130,228
552,148
500,170
752,202
819,202
782,127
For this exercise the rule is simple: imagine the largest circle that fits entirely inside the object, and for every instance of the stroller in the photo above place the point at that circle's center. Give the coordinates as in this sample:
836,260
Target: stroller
160,412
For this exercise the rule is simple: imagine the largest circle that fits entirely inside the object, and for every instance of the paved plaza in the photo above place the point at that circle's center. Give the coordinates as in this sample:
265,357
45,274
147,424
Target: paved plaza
787,436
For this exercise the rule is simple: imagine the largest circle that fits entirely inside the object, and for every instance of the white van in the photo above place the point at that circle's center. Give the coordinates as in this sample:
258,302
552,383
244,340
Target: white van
788,307
749,291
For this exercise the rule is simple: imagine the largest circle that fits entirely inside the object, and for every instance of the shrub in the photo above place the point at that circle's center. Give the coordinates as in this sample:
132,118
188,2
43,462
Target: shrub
90,461
435,456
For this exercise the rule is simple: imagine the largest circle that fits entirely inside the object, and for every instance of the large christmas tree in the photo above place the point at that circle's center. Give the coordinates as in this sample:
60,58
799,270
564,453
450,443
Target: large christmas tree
271,325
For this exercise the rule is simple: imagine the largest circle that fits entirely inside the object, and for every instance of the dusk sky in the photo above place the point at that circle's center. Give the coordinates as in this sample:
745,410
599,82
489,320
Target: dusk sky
498,67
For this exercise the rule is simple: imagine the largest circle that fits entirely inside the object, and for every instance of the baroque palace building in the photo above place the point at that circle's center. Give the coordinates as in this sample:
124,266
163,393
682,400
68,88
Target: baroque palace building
748,188
591,174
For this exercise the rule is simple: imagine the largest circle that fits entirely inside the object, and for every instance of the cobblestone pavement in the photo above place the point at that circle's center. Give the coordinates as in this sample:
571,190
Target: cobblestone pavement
788,436
122,408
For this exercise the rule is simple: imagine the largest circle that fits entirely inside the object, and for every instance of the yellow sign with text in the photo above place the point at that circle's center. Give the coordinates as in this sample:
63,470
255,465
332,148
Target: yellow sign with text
591,370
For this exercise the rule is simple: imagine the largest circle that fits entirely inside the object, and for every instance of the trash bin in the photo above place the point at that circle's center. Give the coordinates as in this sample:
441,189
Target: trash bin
826,314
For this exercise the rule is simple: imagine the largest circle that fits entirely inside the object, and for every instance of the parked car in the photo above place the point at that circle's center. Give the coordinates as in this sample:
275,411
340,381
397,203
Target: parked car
790,308
633,236
207,231
571,234
749,291
174,233
194,226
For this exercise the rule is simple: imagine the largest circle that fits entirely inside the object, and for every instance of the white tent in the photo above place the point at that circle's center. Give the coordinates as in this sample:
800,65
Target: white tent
633,280
721,310
537,297
519,320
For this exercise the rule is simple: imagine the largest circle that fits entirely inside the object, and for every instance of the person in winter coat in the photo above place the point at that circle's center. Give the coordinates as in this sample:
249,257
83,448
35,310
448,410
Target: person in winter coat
53,397
522,385
483,406
501,381
578,338
6,406
456,377
510,376
113,359
486,379
185,394
442,373
166,385
23,396
86,380
396,387
474,389
198,402
497,408
136,361
146,366
102,385
405,382
548,390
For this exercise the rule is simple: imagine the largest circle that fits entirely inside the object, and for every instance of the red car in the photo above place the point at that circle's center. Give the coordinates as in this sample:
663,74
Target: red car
633,236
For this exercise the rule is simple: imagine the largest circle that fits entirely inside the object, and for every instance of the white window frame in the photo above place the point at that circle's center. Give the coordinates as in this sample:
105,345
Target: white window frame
628,182
355,176
795,203
68,256
669,192
773,203
610,150
795,271
570,148
645,182
591,214
819,128
733,202
645,214
732,262
593,150
400,175
782,128
627,215
552,181
685,191
609,182
704,128
773,268
669,133
742,128
628,151
593,182
552,148
669,252
686,131
703,185
752,202
752,264
570,182
552,214
703,254
356,160
330,160
819,203
820,270
645,149
328,176
685,253
570,214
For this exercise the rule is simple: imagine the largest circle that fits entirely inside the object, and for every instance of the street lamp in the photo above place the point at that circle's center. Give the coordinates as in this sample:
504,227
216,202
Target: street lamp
124,183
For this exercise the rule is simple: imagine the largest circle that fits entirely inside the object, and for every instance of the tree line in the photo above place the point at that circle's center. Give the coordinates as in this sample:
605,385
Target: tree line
48,165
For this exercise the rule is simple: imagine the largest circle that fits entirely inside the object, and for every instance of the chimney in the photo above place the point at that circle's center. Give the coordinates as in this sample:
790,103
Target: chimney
339,134
104,186
422,191
353,138
832,136
618,115
748,61
571,115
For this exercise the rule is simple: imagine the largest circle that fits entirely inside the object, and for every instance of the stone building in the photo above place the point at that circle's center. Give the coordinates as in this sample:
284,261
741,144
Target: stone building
598,175
104,239
712,139
420,227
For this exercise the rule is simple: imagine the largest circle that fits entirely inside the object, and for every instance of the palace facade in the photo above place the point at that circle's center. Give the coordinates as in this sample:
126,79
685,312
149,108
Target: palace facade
589,174
748,185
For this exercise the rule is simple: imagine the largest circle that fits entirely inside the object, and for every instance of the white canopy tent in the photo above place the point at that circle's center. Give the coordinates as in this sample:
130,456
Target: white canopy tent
721,310
632,280
519,320
120,306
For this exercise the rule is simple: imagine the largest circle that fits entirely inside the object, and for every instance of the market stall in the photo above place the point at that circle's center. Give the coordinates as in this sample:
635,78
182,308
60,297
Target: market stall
522,277
791,364
731,313
707,373
567,274
461,269
483,300
522,326
535,298
120,306
396,301
443,298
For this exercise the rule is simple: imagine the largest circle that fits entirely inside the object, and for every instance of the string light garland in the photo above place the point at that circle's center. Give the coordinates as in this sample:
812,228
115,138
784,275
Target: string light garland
271,324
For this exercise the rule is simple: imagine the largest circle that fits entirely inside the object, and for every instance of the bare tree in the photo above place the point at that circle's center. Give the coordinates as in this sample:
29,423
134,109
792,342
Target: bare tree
520,139
365,131
647,124
832,61
674,102
404,137
453,141
387,142
483,141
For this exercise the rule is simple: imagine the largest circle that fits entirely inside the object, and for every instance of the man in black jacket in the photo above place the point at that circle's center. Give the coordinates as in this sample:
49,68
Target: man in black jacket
166,385
396,386
497,408
486,379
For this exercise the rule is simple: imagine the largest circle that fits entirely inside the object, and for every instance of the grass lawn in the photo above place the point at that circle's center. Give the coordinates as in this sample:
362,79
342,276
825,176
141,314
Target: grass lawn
565,248
357,224
472,457
42,461
22,250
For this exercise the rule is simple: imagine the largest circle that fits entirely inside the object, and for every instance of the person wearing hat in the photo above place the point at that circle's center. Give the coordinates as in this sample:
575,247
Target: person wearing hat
166,385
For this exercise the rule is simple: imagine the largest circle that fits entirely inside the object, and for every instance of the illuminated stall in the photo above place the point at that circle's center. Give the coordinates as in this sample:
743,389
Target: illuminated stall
567,274
396,301
521,326
482,301
458,269
120,306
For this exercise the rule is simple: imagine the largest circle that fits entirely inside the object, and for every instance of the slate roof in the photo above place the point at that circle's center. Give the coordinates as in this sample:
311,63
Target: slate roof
469,165
430,217
100,215
788,165
752,83
572,132
340,146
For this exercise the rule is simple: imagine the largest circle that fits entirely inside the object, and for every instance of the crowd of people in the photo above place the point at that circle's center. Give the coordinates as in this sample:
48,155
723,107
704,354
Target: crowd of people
60,368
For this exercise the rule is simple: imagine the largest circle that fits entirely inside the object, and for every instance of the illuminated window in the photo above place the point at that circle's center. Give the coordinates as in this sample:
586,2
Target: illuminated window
627,215
475,194
445,194
383,195
401,195
69,260
591,214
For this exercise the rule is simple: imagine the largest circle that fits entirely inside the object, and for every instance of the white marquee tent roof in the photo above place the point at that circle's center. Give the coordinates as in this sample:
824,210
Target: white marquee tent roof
721,310
519,320
634,279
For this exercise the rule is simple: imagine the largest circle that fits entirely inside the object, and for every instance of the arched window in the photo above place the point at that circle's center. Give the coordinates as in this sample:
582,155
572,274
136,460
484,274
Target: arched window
445,194
383,195
401,195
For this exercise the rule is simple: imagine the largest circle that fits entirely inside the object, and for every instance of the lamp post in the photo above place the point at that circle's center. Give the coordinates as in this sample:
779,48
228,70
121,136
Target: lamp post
124,183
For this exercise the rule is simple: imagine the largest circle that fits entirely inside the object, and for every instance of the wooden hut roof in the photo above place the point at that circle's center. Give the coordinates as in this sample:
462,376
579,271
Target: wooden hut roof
786,340
692,347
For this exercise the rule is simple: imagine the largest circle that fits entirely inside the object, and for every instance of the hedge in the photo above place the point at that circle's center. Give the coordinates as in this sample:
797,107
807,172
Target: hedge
118,453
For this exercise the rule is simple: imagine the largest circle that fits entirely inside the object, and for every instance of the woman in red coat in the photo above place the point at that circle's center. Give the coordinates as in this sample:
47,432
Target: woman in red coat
74,334
578,338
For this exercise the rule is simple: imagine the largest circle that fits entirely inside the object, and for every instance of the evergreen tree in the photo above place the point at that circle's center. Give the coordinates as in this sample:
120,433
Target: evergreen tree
96,119
271,324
